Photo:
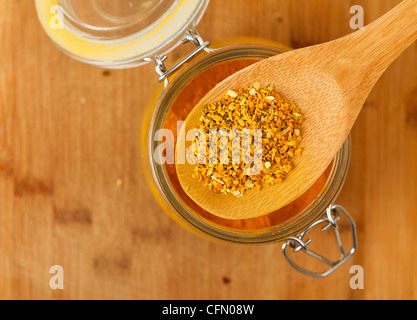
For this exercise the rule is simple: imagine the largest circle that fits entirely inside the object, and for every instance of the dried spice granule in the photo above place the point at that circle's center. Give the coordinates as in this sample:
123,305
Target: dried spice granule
252,108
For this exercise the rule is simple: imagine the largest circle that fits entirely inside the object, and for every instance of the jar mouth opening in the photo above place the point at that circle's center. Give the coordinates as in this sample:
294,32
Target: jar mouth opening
202,225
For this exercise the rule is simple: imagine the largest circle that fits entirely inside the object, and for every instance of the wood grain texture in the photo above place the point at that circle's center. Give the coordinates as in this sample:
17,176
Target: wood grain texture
329,83
72,190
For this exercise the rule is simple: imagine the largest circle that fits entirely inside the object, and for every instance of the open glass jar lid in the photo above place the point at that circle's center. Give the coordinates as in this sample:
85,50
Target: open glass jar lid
118,34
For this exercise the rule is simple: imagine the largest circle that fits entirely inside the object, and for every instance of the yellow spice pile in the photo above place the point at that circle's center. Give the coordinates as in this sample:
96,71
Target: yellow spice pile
251,108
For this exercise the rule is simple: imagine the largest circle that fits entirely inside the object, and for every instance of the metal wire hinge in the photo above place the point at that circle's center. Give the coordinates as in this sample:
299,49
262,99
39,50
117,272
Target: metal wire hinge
190,36
330,220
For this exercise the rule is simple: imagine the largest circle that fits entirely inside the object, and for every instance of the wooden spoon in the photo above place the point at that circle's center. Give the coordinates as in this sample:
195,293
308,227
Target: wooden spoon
329,83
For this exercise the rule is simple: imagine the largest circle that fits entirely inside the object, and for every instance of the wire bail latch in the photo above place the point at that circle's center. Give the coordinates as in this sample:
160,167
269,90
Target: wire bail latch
330,221
159,61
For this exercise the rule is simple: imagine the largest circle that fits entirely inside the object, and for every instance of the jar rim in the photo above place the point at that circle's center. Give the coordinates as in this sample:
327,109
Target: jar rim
197,223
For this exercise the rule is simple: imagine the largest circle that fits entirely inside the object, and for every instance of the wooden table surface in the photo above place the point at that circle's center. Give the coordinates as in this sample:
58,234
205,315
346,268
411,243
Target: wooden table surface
72,189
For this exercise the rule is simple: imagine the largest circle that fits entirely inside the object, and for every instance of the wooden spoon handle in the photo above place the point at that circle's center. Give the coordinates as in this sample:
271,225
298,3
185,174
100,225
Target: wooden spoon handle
381,42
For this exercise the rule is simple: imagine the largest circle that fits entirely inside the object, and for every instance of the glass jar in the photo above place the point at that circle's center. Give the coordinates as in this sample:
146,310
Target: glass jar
123,34
290,224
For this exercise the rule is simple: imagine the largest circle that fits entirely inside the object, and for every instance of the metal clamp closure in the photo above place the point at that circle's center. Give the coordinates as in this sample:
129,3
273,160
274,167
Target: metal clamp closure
330,220
190,36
